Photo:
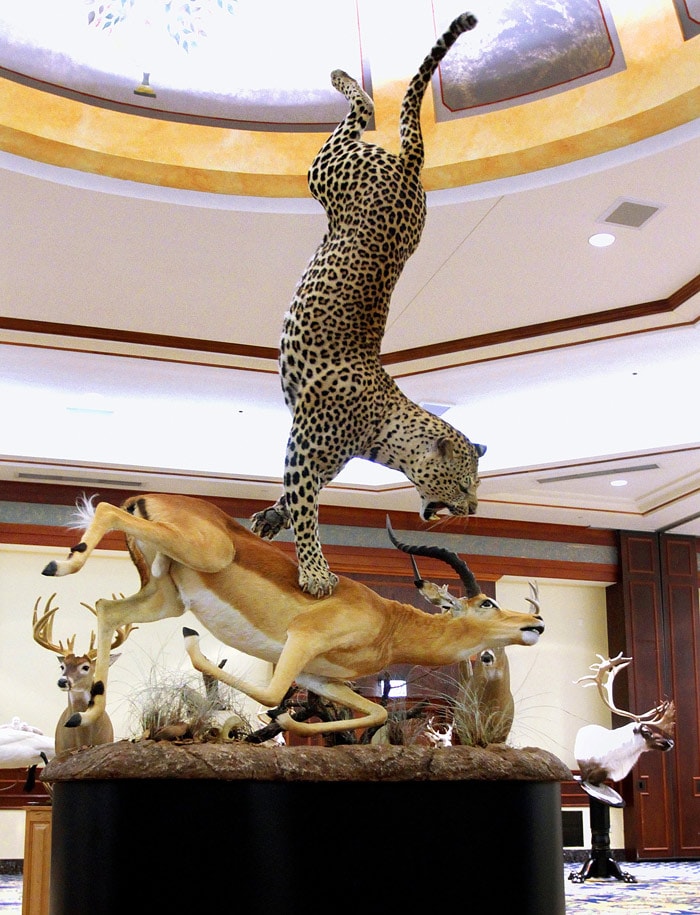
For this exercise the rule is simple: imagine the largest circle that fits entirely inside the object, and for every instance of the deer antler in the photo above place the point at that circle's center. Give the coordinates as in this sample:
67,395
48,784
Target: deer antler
42,629
121,633
439,738
535,599
603,678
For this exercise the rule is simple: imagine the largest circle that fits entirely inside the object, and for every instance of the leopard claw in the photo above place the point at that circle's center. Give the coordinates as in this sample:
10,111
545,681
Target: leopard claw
317,586
269,522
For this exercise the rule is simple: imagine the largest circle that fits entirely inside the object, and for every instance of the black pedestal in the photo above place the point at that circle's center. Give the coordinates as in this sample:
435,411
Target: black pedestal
600,862
154,845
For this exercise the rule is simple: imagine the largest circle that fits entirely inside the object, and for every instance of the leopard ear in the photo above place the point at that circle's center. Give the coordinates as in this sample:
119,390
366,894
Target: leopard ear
445,448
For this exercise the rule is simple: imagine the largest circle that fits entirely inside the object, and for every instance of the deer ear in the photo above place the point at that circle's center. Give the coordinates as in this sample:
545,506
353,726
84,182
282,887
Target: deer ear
61,658
113,658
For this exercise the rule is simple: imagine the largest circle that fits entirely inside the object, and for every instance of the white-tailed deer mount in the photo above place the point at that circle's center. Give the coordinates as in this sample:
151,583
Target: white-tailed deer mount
245,591
484,708
76,680
609,754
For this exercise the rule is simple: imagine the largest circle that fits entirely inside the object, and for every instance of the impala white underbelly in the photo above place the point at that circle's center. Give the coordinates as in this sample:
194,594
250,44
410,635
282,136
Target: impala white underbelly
226,623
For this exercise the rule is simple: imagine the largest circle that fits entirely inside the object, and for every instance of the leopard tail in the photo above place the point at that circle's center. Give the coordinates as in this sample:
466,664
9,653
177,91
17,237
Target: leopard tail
412,151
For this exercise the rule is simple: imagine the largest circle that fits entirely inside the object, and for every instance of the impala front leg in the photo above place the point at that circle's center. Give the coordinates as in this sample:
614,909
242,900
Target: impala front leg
269,696
157,600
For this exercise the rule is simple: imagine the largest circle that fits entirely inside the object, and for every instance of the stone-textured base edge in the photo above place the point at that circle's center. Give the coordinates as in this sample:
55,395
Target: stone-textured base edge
149,759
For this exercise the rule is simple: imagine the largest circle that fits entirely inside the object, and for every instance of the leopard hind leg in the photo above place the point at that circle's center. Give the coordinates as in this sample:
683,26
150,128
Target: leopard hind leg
361,106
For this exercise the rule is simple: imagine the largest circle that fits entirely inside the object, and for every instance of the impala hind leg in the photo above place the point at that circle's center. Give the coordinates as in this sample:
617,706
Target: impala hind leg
174,531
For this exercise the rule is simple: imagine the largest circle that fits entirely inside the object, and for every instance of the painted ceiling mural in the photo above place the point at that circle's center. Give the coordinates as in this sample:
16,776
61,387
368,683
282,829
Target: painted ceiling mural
234,96
222,62
524,51
689,17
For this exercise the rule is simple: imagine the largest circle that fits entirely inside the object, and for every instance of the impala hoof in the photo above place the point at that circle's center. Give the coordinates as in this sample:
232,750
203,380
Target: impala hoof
74,721
51,568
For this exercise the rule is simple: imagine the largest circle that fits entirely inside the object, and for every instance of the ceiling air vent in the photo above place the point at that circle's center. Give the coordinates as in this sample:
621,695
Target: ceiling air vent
83,481
631,213
437,409
598,473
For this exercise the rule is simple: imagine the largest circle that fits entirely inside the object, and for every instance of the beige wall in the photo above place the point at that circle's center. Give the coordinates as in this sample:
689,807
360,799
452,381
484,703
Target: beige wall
550,707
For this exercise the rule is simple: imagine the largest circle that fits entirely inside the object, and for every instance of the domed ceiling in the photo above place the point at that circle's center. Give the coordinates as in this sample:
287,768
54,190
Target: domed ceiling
547,123
218,86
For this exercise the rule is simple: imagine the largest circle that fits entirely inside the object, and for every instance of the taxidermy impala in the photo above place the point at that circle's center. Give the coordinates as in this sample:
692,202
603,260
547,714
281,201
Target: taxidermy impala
484,705
190,555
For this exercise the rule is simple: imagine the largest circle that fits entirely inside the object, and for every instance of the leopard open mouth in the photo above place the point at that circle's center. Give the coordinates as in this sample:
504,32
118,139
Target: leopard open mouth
430,511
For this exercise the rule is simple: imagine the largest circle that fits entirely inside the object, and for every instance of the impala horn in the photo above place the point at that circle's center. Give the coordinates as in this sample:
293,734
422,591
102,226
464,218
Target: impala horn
466,576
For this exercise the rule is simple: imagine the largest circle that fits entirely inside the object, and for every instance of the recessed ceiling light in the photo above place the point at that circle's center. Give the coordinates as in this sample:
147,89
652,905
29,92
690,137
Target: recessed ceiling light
618,482
601,239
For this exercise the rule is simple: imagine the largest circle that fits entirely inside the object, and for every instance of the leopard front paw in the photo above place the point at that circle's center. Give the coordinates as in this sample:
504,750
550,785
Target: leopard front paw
270,521
318,584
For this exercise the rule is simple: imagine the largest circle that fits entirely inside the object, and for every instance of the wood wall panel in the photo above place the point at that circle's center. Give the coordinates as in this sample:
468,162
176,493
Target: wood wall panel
653,618
681,595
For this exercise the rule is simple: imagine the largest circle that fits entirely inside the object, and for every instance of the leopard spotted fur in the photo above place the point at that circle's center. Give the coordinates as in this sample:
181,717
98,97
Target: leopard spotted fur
343,403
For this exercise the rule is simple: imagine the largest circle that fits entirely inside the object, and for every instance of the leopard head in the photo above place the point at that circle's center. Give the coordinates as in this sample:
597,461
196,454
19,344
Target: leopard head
447,476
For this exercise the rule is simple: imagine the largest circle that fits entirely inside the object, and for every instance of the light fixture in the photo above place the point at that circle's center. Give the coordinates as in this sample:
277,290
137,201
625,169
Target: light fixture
618,482
145,88
601,239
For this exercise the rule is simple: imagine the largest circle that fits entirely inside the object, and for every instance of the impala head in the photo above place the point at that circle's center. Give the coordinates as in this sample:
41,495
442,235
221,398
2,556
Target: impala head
501,627
447,477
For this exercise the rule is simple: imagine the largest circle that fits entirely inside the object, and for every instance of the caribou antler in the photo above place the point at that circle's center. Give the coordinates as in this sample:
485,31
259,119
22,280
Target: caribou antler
466,575
603,678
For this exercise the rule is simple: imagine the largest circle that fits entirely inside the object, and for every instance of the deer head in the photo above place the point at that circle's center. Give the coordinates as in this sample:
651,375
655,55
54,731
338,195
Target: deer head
77,675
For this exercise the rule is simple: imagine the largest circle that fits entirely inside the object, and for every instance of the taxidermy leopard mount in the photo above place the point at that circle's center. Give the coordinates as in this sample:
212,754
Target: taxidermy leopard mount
343,403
